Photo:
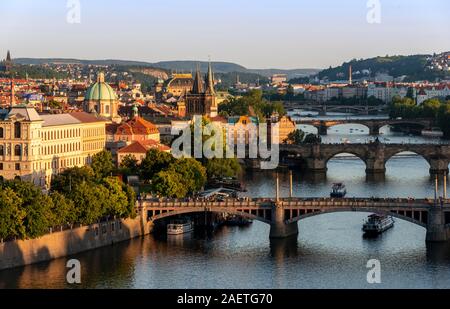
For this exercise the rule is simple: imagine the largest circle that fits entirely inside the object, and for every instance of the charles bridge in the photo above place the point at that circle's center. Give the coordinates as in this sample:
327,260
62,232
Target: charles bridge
314,157
374,125
283,214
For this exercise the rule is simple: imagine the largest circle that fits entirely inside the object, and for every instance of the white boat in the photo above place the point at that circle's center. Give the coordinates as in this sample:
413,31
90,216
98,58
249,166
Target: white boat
377,224
180,227
435,132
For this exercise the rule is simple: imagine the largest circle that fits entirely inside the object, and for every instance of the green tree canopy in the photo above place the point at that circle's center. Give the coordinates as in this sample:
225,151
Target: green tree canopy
11,215
154,162
102,164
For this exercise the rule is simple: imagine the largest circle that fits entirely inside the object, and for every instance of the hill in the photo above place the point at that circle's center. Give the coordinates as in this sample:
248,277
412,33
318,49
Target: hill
180,66
414,67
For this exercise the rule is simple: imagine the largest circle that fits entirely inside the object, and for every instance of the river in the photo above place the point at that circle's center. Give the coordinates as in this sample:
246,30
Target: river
329,251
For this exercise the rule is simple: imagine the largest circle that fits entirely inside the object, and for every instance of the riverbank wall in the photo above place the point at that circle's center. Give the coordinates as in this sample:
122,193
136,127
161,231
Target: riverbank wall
68,242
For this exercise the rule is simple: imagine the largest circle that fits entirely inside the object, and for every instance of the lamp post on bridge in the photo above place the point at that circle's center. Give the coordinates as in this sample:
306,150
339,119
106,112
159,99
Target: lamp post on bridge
291,193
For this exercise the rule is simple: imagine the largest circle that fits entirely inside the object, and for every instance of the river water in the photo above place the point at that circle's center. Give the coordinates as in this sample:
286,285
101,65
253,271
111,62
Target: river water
329,251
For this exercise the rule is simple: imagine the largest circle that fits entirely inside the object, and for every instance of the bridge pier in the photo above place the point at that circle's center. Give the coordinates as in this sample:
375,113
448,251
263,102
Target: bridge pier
323,129
375,166
278,226
438,167
437,231
316,165
374,129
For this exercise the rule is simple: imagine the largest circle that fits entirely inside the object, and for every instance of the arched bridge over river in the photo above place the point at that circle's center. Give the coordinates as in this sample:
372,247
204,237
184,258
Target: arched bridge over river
374,125
283,214
314,157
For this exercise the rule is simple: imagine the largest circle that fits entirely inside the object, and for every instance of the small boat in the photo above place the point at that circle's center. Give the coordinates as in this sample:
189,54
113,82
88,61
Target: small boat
338,190
180,227
377,224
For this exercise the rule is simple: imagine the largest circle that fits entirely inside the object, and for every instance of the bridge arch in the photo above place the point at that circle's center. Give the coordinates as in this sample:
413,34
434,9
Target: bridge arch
361,156
390,155
335,126
414,219
182,211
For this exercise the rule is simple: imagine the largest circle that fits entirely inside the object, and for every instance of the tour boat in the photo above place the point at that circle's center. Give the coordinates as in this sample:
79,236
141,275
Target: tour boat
338,190
180,227
377,224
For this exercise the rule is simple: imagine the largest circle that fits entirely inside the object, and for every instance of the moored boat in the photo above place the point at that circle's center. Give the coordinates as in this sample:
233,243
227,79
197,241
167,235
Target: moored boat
377,224
180,227
338,190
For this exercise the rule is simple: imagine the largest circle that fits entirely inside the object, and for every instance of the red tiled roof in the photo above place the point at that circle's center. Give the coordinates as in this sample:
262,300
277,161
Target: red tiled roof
143,147
137,125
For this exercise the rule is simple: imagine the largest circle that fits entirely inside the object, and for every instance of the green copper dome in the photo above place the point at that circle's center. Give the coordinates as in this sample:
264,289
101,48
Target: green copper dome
100,90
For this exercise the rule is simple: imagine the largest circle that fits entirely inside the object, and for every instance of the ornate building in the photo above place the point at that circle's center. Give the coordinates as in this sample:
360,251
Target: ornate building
201,100
34,147
178,84
101,99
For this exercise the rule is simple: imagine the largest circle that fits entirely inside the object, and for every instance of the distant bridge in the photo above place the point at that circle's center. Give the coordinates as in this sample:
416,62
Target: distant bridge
314,157
283,214
322,109
374,125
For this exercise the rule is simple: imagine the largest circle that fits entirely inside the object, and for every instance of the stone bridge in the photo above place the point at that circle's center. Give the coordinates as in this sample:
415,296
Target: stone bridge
324,108
314,157
282,214
374,125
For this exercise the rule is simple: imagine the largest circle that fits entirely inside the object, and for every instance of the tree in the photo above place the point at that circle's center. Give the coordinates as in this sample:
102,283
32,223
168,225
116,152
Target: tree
64,209
102,164
72,177
431,108
154,162
296,137
117,205
11,215
129,166
225,167
131,200
37,206
312,139
169,184
193,174
90,202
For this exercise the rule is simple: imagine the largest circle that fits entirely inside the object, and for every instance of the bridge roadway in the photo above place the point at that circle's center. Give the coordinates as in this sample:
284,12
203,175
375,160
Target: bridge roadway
374,125
324,108
283,214
314,157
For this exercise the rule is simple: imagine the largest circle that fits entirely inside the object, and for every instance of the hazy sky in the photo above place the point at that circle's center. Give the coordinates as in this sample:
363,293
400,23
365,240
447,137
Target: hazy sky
254,33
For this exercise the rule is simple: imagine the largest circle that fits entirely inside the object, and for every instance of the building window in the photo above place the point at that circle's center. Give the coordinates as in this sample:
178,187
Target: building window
1,133
2,150
1,166
17,130
17,166
17,150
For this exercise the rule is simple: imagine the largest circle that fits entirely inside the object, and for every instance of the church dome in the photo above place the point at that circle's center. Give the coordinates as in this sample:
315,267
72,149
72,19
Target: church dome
100,91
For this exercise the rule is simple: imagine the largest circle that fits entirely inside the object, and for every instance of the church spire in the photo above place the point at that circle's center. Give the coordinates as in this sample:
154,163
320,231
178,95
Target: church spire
198,84
8,56
209,80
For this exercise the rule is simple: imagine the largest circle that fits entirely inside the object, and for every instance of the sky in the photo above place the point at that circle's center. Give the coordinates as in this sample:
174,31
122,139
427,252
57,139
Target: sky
254,33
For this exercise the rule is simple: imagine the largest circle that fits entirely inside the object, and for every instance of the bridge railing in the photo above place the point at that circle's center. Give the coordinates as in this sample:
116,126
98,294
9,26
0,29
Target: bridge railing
291,202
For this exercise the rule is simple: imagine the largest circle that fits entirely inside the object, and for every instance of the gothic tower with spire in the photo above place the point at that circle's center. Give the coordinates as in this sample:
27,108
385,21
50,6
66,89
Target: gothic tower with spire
202,98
